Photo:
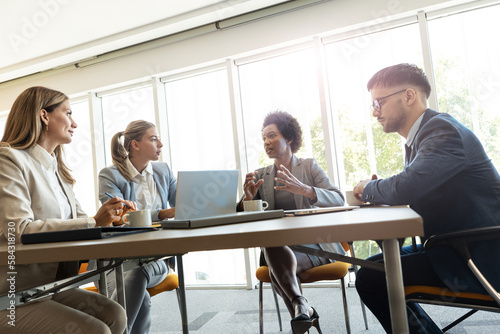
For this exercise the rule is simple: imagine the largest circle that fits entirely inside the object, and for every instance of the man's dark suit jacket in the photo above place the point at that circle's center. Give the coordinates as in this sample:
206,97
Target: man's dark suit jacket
450,181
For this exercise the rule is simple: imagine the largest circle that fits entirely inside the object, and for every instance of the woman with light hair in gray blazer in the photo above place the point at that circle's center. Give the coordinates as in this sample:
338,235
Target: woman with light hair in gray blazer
36,190
291,183
136,175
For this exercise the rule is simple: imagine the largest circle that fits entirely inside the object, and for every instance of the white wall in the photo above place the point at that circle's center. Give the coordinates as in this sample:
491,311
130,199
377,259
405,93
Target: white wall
217,45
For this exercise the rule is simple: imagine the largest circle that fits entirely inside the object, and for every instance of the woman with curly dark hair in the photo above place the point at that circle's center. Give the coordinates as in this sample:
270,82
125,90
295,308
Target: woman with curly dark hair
291,183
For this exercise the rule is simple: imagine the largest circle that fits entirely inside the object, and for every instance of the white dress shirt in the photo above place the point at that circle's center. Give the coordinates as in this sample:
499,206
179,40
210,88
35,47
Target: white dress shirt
49,167
147,194
413,130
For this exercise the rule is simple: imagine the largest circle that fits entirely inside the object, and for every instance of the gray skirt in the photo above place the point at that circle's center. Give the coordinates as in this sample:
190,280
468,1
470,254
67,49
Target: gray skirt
317,260
334,247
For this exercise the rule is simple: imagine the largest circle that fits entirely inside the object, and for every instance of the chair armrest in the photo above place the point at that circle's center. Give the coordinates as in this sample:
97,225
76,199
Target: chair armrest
469,235
459,241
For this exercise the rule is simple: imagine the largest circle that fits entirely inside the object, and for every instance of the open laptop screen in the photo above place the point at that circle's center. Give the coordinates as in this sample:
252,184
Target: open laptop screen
205,193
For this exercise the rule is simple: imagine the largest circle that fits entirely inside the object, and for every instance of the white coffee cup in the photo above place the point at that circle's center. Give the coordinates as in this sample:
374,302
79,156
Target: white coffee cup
255,205
140,218
351,200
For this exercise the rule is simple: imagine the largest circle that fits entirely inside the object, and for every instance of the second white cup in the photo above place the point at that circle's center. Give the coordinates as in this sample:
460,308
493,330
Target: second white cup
140,218
255,205
351,200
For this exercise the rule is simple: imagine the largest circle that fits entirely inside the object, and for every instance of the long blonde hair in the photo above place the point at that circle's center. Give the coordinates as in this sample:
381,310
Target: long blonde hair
120,151
24,127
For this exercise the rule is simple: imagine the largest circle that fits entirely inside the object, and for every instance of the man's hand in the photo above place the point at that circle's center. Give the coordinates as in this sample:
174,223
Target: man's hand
358,189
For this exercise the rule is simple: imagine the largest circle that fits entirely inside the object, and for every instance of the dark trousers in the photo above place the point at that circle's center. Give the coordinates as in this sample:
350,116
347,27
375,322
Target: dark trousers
417,270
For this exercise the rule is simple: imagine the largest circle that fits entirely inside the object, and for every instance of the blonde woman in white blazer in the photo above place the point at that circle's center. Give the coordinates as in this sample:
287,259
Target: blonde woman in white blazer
36,191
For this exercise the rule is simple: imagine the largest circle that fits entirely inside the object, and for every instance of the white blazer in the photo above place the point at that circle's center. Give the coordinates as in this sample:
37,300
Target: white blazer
29,205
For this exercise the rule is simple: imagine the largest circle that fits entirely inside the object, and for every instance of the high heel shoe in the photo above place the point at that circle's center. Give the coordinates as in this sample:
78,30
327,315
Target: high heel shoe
303,322
315,320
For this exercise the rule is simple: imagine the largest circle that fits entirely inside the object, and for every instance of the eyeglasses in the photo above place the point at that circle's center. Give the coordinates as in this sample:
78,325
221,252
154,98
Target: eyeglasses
376,103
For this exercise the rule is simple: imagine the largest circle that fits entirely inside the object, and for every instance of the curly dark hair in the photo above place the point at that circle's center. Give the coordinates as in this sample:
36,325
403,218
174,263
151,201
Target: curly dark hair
288,126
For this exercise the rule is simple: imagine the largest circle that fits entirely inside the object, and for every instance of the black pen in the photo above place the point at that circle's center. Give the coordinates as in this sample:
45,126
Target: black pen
111,196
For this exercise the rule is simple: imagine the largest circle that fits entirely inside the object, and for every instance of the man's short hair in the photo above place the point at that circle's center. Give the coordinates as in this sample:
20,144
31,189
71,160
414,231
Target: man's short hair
401,74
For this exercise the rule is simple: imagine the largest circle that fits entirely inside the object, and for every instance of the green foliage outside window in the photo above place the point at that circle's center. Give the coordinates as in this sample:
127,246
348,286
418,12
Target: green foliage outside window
463,96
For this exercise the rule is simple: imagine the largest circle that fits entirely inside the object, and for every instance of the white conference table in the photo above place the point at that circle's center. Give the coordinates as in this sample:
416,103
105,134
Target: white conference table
369,223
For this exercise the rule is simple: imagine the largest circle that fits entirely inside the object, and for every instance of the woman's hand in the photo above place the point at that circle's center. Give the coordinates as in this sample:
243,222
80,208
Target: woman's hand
292,184
111,212
250,188
166,213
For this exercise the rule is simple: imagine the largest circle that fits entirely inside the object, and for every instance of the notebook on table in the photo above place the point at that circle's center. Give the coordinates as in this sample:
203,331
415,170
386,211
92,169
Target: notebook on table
81,234
208,198
314,211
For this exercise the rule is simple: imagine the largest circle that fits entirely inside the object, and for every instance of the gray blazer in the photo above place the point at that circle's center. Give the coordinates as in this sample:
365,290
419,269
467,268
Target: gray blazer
29,205
113,182
309,172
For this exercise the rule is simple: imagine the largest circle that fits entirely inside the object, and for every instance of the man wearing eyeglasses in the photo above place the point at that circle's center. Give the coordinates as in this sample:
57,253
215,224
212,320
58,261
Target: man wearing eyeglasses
448,179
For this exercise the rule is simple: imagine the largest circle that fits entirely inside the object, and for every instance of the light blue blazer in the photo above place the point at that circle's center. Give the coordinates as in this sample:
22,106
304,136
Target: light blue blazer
113,182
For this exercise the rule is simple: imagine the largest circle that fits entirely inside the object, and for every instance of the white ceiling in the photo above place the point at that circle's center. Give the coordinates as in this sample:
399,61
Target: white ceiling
36,35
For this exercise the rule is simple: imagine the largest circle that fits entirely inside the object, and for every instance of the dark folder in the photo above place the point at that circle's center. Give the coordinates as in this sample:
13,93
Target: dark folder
81,234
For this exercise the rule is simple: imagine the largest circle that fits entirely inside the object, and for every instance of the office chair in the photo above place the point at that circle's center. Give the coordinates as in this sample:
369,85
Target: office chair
331,271
460,242
171,282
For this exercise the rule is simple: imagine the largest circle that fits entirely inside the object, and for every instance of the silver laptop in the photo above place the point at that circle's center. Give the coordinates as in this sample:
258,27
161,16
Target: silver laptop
314,211
208,198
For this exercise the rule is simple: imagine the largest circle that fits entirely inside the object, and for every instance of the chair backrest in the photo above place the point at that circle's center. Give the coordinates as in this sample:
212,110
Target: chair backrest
345,245
83,267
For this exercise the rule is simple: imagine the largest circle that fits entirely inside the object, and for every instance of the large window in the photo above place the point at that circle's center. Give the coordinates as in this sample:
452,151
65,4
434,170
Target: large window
201,137
200,129
289,83
119,109
80,159
365,148
467,70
